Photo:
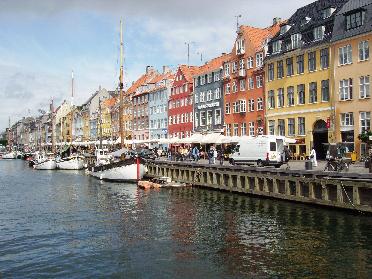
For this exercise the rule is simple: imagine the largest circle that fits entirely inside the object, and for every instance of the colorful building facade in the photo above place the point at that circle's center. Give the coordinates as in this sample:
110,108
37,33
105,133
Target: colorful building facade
180,105
299,79
352,37
244,81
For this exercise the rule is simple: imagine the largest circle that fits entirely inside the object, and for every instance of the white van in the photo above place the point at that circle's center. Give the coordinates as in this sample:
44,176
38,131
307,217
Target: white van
263,150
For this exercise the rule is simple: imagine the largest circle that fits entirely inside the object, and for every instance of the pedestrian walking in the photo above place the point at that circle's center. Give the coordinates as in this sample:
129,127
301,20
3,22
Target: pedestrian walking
313,157
195,153
286,156
215,154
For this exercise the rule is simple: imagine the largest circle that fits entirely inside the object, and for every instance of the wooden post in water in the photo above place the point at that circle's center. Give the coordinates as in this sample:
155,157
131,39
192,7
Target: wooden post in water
138,168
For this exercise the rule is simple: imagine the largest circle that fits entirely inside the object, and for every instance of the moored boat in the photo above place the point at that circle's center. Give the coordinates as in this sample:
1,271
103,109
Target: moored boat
71,163
10,155
43,162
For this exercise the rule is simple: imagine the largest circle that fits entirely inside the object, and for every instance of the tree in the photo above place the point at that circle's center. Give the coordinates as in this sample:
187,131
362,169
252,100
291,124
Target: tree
364,137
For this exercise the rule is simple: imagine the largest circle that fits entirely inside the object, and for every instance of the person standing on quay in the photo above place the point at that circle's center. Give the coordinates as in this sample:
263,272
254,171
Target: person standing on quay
313,157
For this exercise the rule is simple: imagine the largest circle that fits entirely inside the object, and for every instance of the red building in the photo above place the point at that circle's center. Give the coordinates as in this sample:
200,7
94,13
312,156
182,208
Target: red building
180,112
243,77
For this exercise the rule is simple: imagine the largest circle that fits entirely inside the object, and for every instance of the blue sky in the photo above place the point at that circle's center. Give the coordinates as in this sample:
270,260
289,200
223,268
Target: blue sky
42,41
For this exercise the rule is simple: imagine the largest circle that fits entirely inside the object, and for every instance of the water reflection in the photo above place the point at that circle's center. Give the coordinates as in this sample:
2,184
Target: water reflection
65,224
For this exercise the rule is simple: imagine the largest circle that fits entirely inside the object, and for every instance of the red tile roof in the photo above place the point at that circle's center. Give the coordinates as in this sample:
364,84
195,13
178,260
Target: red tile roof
189,71
213,64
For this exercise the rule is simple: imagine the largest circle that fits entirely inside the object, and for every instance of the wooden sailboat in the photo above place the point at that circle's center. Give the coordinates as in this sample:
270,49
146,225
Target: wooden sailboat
131,169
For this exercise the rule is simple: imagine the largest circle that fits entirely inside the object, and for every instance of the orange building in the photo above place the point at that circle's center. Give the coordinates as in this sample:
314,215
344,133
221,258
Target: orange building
243,77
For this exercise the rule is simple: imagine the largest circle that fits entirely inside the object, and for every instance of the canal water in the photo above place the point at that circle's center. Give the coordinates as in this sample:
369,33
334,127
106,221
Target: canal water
64,224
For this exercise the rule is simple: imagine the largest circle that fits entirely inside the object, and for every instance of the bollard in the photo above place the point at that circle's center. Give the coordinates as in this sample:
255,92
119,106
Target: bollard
308,165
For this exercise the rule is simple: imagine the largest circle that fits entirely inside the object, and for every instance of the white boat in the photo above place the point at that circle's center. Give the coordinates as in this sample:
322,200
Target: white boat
10,155
124,170
42,162
71,163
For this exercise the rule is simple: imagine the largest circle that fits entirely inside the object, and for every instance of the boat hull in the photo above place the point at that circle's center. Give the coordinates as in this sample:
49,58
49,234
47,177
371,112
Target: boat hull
47,165
119,173
72,164
9,156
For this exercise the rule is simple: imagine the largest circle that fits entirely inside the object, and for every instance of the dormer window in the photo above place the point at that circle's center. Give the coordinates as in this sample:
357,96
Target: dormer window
284,29
296,40
355,19
277,46
319,33
326,13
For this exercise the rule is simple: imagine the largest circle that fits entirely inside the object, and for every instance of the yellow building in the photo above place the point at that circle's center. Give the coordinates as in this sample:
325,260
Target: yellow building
107,107
86,124
299,79
353,67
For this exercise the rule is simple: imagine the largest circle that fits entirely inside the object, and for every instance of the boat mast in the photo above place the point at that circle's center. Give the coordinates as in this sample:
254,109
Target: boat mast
9,136
121,88
53,126
100,123
72,103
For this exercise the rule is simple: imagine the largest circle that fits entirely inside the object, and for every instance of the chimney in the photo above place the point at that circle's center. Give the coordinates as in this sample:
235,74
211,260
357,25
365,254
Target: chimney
276,20
149,69
166,69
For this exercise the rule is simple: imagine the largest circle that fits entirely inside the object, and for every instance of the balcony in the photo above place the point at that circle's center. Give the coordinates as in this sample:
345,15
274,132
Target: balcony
240,51
242,73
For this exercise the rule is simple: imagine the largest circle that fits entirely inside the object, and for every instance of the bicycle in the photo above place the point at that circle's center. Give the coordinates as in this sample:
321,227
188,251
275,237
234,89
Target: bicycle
337,165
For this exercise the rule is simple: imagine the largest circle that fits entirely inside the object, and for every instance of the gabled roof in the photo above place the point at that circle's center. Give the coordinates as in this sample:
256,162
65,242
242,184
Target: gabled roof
257,36
188,71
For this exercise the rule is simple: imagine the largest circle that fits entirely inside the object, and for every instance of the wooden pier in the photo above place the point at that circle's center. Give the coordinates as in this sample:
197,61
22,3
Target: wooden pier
347,191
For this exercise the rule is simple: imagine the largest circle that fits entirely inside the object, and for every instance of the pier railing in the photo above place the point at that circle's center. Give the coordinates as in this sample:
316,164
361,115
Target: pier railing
347,191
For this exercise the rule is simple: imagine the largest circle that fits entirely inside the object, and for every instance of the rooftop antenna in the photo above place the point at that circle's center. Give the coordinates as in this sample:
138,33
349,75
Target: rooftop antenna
188,51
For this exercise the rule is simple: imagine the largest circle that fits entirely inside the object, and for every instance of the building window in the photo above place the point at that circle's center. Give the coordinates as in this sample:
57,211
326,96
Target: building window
259,81
227,108
259,59
318,33
363,51
241,63
280,97
277,46
347,119
235,107
209,117
202,118
355,20
291,126
300,64
217,93
250,83
234,66
290,95
313,93
324,58
270,68
251,129
296,40
289,62
243,129
228,130
243,106
271,127
242,85
364,87
301,126
271,99
216,76
227,69
250,62
217,116
228,88
346,89
312,61
345,55
259,104
236,129
209,95
281,127
202,97
365,121
280,70
209,78
251,105
325,90
202,80
234,87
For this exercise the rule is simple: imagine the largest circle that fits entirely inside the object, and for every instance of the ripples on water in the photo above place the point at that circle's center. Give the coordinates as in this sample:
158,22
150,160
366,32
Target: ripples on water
65,224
